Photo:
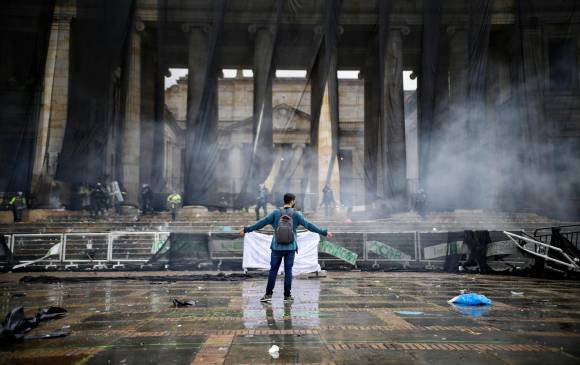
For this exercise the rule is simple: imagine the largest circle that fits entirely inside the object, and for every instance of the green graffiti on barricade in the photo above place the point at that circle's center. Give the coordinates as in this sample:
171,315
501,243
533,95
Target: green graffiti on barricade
338,251
386,251
157,245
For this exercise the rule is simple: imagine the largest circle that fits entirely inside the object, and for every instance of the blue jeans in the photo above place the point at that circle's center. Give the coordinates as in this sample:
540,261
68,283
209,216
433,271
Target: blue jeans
275,261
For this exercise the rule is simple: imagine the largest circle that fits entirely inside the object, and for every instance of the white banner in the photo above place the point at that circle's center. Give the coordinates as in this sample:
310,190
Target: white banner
257,252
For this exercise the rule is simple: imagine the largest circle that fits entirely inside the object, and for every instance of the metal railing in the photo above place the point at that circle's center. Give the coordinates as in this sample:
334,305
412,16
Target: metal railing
86,248
120,248
571,232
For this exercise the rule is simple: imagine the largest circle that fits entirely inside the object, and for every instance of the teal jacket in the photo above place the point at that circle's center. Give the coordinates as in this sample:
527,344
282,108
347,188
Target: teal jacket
297,220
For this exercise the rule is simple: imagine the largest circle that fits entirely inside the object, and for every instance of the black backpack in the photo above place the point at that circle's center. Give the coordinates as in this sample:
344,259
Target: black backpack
285,229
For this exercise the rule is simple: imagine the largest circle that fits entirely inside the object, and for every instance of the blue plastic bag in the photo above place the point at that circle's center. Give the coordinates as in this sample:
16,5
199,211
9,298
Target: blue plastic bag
471,299
472,311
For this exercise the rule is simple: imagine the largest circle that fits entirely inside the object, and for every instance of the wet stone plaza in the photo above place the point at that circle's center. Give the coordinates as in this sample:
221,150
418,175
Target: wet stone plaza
344,318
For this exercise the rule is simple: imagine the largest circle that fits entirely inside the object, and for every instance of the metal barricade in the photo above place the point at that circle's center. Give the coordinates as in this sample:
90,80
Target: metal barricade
134,247
85,248
382,247
351,241
226,246
30,247
571,232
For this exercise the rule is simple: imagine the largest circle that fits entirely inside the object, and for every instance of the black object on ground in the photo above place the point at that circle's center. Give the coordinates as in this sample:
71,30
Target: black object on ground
54,334
183,303
49,313
16,324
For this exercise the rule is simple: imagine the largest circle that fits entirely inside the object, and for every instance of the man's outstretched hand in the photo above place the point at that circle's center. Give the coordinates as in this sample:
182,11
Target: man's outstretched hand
329,234
241,231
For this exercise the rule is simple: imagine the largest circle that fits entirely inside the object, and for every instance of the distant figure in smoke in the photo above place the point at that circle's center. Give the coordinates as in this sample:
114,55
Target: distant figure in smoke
146,199
328,200
99,200
174,201
284,246
223,205
420,202
18,203
262,201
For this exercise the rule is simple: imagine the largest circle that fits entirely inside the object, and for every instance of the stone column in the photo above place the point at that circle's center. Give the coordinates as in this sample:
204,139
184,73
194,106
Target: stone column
533,87
458,61
197,63
201,135
316,92
262,111
235,161
148,100
392,173
131,145
371,115
325,146
53,114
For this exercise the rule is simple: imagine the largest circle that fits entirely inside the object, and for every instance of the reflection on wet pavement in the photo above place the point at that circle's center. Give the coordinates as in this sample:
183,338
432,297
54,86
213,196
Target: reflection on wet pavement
345,318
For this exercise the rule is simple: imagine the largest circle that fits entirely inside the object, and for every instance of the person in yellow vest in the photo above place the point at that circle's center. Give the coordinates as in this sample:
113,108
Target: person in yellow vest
174,202
18,203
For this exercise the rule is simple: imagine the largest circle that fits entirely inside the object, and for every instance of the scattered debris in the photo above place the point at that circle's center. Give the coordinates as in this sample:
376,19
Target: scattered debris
15,325
274,351
54,334
519,293
183,303
49,313
18,295
410,313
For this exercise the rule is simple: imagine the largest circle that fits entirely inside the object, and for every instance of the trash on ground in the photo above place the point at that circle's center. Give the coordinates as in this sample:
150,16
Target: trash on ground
470,299
274,351
183,303
54,334
410,313
50,313
517,293
16,324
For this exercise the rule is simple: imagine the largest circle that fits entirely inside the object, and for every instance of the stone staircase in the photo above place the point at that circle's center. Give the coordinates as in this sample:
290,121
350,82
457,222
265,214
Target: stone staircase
230,222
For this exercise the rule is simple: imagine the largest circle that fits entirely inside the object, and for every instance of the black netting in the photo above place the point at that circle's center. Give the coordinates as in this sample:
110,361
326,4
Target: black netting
24,40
